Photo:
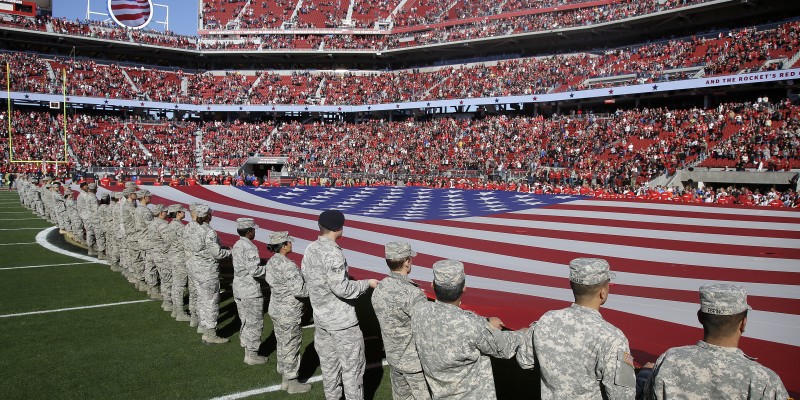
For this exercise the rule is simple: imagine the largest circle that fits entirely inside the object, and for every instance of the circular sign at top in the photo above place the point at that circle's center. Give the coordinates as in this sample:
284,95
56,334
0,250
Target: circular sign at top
134,14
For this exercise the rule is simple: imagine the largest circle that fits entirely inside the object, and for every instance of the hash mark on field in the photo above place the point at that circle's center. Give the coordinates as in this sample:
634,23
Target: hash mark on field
14,244
18,229
46,265
73,308
20,219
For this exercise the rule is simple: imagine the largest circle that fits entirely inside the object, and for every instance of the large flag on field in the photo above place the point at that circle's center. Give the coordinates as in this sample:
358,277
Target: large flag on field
516,247
131,13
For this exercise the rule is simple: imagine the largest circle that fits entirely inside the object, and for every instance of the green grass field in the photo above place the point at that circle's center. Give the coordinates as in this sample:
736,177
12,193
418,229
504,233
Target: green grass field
136,350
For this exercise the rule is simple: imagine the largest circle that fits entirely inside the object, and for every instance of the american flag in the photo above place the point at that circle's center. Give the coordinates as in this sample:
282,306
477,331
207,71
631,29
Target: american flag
516,247
131,13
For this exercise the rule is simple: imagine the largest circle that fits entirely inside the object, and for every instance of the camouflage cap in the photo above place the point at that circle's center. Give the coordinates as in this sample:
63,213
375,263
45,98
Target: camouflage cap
92,186
723,299
105,196
202,210
589,271
448,273
157,209
117,195
130,184
47,186
175,208
193,206
280,237
128,191
142,193
246,223
398,251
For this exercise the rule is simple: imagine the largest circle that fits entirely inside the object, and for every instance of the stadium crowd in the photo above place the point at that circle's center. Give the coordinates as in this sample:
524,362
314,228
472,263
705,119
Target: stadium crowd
655,62
217,14
596,154
434,349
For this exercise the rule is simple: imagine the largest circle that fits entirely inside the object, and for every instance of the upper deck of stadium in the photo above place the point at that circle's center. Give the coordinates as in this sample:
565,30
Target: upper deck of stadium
387,35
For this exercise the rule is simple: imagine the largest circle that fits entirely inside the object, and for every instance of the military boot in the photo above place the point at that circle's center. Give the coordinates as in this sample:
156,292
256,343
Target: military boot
102,255
153,293
181,316
193,321
166,306
91,252
294,386
252,358
210,337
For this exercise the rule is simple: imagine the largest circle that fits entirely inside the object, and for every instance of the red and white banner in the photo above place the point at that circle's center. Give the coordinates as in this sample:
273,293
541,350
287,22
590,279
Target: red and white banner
135,14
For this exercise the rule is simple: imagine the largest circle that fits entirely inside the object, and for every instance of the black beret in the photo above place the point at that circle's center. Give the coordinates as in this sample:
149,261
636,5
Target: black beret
332,220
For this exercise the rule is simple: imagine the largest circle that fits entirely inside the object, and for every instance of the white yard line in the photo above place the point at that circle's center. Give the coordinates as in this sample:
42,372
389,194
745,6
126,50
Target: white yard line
19,219
41,238
46,265
275,388
14,244
19,229
73,308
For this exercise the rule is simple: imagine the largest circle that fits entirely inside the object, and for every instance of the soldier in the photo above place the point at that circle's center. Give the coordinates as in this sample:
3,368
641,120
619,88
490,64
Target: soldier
87,207
715,368
159,254
202,243
287,285
392,301
188,231
580,355
132,254
337,337
454,345
98,226
80,205
247,266
147,266
111,229
176,256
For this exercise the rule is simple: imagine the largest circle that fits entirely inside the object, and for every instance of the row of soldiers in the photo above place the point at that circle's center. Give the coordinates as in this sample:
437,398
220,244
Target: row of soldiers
436,349
165,258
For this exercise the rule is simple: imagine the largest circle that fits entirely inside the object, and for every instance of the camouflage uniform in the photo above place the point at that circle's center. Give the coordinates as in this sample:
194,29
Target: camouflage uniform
87,208
98,228
708,371
392,301
286,285
580,355
189,231
454,346
158,253
177,258
75,224
132,256
247,291
338,338
144,217
202,243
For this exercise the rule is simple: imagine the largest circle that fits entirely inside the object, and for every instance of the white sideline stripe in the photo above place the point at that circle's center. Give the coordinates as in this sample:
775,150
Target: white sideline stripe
73,308
45,265
275,388
19,219
14,212
14,244
20,229
41,238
